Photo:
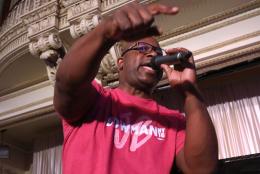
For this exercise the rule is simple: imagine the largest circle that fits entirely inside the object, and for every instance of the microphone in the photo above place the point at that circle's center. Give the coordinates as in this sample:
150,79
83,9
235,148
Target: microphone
173,59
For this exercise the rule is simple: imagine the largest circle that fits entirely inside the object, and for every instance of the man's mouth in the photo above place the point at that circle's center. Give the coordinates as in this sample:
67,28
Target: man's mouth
147,67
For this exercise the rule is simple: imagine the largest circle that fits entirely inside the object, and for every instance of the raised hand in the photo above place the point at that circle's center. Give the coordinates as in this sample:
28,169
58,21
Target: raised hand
182,75
134,21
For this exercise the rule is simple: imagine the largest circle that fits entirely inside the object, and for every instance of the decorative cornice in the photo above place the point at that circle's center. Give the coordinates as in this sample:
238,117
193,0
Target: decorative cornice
231,57
67,3
8,55
50,8
81,9
13,47
42,20
107,7
210,20
27,116
30,86
11,34
20,108
21,88
43,27
227,42
213,27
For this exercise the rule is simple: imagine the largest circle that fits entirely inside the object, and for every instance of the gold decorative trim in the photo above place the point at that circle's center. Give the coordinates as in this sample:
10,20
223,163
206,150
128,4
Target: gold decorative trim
227,42
211,20
228,58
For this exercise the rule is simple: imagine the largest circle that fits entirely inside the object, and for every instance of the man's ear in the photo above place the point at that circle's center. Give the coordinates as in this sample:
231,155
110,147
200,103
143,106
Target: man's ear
120,63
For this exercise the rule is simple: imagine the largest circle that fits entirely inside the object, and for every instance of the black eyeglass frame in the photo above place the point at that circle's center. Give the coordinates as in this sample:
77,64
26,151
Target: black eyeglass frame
135,47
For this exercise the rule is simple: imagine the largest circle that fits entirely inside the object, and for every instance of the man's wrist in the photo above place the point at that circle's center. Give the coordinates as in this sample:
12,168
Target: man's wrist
108,30
189,90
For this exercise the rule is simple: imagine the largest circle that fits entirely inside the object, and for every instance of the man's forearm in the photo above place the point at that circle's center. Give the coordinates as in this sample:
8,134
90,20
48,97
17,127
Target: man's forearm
81,63
77,70
200,150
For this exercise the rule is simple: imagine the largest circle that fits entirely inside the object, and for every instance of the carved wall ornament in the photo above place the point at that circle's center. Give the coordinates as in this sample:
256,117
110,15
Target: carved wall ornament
47,9
45,43
82,8
50,23
51,50
51,71
84,26
108,6
108,72
67,3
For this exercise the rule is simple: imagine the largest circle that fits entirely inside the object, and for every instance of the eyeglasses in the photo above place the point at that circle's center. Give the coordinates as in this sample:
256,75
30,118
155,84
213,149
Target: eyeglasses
145,48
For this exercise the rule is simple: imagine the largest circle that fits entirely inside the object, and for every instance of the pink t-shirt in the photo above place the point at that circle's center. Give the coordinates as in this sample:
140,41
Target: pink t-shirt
122,134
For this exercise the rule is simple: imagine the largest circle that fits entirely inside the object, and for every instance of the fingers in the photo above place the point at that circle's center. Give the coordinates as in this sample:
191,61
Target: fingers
156,9
166,69
134,20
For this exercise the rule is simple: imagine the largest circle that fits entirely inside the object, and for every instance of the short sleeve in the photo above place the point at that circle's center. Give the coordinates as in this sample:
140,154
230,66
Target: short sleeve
180,137
95,93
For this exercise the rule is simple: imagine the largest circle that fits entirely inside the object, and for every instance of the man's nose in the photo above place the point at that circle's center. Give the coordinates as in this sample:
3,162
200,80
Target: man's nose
152,53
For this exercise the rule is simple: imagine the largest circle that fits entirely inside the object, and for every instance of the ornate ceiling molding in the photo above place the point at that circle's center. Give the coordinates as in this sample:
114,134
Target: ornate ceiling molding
43,19
227,42
83,8
12,56
12,40
67,3
27,116
231,57
211,19
31,87
236,43
27,101
108,6
5,115
212,27
15,90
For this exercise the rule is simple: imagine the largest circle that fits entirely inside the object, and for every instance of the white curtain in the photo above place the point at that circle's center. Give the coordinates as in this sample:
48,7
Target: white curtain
235,112
47,154
234,107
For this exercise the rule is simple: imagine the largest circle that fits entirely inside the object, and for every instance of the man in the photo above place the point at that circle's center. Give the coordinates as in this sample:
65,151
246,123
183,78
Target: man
123,130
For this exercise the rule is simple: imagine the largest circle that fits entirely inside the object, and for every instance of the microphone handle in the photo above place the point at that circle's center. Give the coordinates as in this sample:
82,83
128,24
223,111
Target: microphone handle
176,58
